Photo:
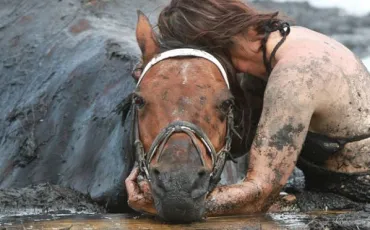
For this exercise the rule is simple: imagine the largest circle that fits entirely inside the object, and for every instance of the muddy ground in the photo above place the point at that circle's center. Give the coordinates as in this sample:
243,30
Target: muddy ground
123,221
272,221
64,66
46,199
50,206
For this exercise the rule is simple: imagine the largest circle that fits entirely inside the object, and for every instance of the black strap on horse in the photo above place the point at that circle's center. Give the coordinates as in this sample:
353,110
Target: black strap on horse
269,27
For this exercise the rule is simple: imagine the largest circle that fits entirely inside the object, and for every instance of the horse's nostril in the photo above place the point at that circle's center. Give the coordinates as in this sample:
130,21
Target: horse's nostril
200,185
157,183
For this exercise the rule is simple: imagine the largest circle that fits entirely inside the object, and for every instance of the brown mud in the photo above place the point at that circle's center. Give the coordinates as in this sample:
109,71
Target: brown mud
318,220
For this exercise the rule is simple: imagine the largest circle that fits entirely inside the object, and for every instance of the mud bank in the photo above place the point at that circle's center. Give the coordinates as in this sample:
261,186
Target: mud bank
45,199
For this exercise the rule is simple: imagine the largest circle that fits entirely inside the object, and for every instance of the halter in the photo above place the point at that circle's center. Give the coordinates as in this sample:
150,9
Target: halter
190,129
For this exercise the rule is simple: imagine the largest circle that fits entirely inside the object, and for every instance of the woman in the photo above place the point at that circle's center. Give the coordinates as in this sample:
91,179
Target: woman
315,108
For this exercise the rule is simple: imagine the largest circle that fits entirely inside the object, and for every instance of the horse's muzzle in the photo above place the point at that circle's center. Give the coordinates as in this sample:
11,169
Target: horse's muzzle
181,208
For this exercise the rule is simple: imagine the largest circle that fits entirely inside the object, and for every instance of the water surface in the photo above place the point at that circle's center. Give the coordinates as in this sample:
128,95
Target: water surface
126,221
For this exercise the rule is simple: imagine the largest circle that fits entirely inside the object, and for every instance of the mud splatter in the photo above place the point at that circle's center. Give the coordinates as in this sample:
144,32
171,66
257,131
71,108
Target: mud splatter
284,137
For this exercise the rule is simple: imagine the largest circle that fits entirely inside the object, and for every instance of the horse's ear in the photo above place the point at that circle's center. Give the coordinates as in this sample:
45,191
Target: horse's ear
146,38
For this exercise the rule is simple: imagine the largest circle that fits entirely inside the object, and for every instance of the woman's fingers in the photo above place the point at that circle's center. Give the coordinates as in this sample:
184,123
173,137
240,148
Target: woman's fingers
131,185
145,187
139,193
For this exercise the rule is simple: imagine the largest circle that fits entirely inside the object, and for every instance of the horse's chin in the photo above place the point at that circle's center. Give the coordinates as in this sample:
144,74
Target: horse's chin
180,209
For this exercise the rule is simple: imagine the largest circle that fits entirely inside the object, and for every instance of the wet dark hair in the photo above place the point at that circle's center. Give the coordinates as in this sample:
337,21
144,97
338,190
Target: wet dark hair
210,25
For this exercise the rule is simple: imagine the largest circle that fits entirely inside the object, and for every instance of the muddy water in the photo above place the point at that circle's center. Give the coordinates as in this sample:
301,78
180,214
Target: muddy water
124,221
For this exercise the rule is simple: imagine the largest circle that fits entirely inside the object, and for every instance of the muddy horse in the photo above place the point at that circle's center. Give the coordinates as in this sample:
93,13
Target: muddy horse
186,124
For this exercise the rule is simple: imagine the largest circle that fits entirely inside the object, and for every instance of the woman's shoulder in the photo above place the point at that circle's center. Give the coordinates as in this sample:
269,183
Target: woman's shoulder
298,75
318,56
309,51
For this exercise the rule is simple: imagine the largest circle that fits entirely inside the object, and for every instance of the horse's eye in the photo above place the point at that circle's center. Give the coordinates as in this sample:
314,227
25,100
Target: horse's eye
139,101
226,105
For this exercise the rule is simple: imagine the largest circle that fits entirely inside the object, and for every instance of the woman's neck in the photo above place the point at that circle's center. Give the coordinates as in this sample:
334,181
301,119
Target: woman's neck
248,56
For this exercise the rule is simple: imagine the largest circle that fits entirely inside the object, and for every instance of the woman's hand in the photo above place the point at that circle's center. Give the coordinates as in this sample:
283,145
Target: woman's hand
139,193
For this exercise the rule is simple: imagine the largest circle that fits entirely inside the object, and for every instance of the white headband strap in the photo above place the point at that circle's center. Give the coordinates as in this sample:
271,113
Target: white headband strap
181,53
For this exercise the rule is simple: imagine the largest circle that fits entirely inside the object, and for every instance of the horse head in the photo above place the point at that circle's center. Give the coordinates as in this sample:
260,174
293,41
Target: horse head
183,124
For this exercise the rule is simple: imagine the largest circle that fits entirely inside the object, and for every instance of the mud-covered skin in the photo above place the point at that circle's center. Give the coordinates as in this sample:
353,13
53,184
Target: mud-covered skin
342,100
273,154
323,90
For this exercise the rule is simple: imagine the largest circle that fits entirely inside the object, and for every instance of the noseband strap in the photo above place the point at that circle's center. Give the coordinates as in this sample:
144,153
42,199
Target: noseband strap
181,127
194,132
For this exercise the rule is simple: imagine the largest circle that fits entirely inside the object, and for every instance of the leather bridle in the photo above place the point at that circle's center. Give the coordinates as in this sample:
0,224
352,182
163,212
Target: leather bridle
193,131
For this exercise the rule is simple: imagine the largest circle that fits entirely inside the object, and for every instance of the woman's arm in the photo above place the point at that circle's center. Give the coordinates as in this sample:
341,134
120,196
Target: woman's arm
285,118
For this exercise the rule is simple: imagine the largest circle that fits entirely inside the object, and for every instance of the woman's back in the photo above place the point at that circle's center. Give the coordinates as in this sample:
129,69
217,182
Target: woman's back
338,79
